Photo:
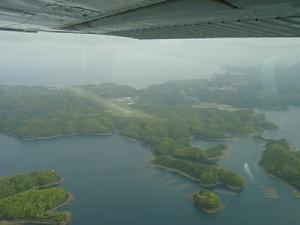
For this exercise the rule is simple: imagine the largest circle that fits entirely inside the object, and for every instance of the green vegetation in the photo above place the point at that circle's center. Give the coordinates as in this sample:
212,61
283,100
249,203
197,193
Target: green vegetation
164,117
15,184
22,200
216,151
37,112
33,205
281,161
253,89
208,201
40,112
114,103
207,175
7,223
210,123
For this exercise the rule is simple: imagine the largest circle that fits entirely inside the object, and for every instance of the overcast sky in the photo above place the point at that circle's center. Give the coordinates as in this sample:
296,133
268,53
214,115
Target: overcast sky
63,59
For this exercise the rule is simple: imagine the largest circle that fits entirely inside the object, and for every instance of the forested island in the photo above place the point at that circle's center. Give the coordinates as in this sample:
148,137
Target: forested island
31,198
280,160
208,201
207,175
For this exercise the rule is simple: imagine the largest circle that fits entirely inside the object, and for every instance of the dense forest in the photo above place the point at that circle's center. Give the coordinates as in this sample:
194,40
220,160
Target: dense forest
208,201
33,205
280,160
31,112
36,112
22,182
22,200
207,175
238,87
216,151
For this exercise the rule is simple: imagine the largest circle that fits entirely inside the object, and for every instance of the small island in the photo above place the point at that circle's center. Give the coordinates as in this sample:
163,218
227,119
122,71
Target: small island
31,198
208,201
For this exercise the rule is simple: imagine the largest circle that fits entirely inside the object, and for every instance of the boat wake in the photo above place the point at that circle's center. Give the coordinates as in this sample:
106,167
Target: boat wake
248,171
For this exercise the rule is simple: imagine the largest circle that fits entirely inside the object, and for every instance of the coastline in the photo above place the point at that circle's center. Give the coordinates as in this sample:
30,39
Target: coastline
49,185
153,165
210,211
291,188
64,135
224,155
68,214
68,201
295,191
66,222
206,138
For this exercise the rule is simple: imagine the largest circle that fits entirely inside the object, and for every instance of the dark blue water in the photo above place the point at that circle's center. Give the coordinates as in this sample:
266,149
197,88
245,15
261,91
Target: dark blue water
112,185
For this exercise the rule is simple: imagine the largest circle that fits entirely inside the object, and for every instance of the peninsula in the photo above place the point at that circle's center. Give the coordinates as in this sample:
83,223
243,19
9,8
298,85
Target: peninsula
281,160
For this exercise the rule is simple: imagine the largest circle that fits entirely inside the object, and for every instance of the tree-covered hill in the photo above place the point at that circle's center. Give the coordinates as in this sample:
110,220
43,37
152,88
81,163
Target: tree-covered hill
22,182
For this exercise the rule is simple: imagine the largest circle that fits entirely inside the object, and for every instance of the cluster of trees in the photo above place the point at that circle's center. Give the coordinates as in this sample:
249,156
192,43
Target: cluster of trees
251,90
207,175
208,201
169,130
22,200
216,151
210,123
15,184
169,139
34,112
33,205
111,90
281,161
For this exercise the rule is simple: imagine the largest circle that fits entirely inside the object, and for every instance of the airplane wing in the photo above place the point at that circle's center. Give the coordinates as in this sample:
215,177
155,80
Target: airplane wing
155,19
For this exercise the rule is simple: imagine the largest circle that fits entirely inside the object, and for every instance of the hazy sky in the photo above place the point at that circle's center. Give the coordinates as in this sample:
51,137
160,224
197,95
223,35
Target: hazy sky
64,59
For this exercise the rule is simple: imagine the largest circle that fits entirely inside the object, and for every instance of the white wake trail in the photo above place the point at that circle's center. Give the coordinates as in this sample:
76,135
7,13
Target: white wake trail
248,171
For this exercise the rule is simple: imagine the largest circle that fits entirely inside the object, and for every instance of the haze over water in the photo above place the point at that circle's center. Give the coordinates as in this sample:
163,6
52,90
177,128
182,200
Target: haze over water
112,185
